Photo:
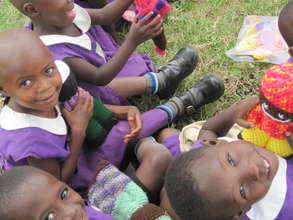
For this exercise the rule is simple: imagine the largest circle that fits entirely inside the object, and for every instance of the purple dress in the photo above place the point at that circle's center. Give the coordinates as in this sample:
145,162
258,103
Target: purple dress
97,47
23,135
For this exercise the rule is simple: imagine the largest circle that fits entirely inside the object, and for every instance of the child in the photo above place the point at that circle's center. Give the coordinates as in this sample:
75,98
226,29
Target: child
33,131
95,59
28,193
224,180
285,23
22,197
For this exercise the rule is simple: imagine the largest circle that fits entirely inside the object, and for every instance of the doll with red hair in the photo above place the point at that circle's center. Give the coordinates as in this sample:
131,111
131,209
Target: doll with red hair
273,115
158,7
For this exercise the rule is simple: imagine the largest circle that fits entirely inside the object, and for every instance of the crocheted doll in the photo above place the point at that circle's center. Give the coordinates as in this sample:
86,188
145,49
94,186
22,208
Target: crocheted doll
161,7
117,195
273,116
102,120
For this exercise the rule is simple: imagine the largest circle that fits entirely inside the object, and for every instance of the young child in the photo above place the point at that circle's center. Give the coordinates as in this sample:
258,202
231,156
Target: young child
285,23
95,59
29,193
22,197
34,132
224,180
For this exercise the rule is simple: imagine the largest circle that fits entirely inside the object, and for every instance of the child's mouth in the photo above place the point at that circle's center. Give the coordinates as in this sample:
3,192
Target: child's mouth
267,166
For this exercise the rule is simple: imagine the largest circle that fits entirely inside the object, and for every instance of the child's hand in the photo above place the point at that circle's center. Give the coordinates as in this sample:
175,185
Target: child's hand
243,108
135,123
289,137
144,29
78,118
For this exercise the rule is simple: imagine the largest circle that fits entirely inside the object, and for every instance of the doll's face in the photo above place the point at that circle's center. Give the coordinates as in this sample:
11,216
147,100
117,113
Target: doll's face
274,113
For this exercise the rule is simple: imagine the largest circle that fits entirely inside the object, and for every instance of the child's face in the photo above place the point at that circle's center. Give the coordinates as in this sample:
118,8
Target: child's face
33,82
57,13
235,175
46,198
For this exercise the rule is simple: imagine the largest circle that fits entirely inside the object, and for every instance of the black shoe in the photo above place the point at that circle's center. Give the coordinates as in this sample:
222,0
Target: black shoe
170,75
203,92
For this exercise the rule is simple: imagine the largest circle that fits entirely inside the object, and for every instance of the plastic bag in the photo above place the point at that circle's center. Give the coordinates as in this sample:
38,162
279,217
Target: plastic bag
260,40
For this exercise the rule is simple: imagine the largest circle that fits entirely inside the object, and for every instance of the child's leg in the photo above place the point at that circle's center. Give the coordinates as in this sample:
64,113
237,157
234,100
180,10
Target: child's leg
114,147
154,159
129,86
164,82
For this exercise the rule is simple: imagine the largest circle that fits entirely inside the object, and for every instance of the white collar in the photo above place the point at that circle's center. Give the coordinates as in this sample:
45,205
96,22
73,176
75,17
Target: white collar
82,20
63,69
269,207
12,120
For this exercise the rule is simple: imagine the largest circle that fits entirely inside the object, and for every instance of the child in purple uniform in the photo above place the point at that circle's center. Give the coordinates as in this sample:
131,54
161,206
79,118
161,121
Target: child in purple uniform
34,132
226,178
72,36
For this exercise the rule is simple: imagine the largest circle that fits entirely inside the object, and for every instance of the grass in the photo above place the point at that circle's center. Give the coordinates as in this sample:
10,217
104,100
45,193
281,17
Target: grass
211,26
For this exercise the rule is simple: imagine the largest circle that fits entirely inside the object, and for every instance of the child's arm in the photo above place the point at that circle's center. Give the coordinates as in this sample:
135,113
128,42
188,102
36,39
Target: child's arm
140,32
132,115
220,124
109,13
77,120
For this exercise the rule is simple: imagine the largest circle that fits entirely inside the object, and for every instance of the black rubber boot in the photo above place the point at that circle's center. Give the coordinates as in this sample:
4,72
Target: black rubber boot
171,74
203,92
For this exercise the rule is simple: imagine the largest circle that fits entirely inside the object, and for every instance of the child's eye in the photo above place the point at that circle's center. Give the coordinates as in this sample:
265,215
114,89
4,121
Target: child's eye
64,193
26,82
242,192
49,70
230,160
50,216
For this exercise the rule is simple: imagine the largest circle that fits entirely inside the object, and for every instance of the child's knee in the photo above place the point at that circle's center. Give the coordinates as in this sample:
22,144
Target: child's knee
159,159
166,133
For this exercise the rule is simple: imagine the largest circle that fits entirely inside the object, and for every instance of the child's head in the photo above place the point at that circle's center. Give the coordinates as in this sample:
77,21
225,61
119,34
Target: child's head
286,25
28,74
50,13
31,194
220,180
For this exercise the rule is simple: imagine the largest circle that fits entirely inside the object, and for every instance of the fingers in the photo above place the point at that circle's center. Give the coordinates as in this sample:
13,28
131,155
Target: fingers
145,19
244,123
135,124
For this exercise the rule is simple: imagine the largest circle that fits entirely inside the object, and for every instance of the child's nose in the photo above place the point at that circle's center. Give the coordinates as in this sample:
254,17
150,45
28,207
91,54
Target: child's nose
69,212
250,170
43,85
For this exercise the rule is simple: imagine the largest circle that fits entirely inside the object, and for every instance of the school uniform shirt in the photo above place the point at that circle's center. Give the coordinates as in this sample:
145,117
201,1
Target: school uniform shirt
24,135
97,47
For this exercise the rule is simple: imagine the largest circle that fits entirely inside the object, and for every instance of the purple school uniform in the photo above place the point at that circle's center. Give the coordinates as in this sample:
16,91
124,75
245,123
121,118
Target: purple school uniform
97,47
95,214
24,135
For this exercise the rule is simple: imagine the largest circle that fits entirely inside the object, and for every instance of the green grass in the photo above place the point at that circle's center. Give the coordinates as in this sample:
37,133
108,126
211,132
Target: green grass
210,25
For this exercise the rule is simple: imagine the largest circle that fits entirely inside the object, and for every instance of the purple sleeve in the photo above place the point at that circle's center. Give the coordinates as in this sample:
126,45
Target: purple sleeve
97,215
64,50
33,142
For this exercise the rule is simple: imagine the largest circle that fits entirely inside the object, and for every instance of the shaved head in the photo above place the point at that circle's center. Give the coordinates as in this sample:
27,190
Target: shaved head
286,23
19,4
13,185
18,49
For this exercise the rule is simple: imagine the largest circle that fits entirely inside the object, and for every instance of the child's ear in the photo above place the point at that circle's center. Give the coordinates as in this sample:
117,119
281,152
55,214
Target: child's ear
30,10
3,92
290,51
